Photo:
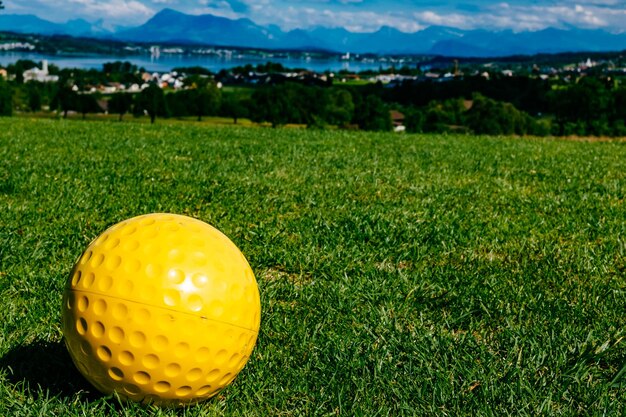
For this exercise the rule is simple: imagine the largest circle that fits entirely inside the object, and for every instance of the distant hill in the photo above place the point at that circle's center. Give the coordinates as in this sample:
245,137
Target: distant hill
29,24
172,26
33,24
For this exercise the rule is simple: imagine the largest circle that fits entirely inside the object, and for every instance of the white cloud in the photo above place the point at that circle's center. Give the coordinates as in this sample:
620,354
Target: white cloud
407,16
430,18
217,10
116,11
291,17
522,18
540,17
354,15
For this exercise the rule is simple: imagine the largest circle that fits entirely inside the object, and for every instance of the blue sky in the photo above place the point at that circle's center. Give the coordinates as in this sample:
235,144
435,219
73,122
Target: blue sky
355,15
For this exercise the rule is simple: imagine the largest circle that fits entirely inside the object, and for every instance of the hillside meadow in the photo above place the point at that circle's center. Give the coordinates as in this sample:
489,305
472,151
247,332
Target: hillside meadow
399,274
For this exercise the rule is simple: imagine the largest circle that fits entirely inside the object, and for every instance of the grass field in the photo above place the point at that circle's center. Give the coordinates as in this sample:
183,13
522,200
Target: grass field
207,121
399,274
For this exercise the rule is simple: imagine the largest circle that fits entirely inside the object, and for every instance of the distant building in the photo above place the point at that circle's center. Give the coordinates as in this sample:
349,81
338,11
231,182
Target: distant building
41,75
10,46
397,118
155,51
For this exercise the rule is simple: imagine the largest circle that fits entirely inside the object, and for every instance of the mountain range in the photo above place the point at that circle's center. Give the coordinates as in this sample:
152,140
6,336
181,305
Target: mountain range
170,26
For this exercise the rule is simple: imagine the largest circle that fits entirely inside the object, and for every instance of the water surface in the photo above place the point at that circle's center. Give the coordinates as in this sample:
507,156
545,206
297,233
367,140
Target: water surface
213,63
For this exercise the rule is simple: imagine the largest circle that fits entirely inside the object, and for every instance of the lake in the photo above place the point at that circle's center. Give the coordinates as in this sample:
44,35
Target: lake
213,63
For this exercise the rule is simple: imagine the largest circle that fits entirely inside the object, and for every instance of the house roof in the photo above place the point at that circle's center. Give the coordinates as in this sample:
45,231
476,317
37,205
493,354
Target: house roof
396,115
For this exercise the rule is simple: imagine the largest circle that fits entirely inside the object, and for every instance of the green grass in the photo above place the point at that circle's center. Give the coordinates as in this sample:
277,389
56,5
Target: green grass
207,121
399,274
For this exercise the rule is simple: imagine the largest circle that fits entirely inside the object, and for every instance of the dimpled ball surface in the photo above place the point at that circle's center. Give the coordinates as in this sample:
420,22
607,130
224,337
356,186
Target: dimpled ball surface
162,309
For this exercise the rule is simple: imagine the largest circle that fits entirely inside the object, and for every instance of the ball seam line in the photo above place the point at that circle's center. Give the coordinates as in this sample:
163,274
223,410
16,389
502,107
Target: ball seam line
162,308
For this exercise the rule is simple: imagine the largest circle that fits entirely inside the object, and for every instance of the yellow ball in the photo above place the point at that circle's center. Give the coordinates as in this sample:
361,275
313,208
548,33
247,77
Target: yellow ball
161,308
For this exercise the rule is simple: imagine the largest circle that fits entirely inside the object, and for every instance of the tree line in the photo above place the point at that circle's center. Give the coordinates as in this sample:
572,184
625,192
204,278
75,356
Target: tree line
591,105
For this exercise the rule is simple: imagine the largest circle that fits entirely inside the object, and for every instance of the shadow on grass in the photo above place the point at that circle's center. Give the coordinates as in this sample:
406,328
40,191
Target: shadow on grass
45,368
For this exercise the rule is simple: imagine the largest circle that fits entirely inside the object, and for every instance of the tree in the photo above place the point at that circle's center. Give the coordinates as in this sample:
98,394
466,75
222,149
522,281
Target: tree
271,67
234,106
287,103
122,72
121,104
178,104
581,108
152,101
66,99
19,67
618,114
270,105
414,120
443,116
202,98
339,107
6,99
492,117
195,70
34,96
87,103
119,67
373,114
205,101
